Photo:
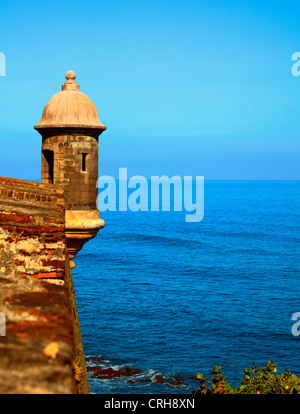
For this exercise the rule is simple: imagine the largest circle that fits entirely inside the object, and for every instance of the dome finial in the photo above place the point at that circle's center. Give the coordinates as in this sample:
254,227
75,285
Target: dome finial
70,75
70,84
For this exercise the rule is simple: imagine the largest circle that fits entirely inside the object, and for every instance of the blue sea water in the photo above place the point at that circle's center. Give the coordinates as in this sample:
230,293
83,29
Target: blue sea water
175,298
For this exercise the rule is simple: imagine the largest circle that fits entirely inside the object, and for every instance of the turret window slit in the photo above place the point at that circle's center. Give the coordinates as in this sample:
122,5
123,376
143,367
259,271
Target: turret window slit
84,162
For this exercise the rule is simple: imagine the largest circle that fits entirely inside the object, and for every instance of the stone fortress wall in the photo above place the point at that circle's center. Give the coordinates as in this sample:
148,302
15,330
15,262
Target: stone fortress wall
42,227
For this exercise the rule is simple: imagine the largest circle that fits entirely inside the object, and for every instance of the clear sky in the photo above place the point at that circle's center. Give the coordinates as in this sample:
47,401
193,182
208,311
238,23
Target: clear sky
185,87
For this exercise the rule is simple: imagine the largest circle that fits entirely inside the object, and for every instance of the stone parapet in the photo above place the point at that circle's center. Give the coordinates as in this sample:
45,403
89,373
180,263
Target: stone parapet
37,352
32,229
41,351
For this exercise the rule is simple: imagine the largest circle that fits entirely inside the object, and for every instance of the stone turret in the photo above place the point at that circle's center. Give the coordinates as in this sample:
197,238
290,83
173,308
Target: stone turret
70,129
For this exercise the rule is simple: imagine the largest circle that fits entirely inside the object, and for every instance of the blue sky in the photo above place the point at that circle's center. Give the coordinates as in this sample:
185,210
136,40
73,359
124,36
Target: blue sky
184,87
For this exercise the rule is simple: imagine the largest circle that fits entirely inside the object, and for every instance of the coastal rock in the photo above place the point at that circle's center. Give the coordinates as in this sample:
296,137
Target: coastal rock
159,379
110,373
98,359
136,371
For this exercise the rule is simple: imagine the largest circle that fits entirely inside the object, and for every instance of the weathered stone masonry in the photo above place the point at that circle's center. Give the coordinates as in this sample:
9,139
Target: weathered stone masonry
32,232
36,293
76,162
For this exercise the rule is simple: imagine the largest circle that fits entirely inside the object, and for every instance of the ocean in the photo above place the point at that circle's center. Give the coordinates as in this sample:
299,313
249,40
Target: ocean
173,298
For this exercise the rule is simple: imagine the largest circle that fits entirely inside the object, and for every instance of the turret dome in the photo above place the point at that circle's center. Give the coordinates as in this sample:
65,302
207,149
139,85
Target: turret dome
70,108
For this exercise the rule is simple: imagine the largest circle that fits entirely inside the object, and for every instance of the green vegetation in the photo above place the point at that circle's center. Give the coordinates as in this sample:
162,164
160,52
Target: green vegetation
256,380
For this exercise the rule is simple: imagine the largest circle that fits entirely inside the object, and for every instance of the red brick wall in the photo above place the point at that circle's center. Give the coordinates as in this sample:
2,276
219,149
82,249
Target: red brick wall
32,229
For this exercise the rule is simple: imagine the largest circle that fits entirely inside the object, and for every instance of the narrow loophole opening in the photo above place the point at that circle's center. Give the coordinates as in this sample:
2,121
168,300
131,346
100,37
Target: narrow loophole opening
83,163
49,166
